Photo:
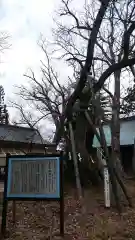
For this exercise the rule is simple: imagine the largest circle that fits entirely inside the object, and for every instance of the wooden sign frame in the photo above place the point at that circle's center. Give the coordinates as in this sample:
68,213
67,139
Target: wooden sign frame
59,198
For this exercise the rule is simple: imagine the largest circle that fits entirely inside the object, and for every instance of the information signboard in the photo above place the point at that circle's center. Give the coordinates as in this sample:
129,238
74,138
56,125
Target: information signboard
34,177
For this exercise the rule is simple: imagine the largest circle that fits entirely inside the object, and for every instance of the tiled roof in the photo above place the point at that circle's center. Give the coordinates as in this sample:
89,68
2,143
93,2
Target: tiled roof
20,134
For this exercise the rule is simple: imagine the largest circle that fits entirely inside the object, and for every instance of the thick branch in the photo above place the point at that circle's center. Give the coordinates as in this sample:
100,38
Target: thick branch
107,91
86,68
89,58
124,63
127,35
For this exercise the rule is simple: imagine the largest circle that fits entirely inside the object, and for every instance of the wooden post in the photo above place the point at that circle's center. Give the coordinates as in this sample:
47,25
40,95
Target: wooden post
106,187
14,211
133,159
106,178
102,140
61,196
77,175
5,201
4,217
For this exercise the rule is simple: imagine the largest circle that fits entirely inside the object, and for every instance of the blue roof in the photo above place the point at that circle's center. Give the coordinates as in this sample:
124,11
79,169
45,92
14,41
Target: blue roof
127,134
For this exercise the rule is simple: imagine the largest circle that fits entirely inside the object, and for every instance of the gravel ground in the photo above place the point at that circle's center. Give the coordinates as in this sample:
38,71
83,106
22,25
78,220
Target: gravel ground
40,220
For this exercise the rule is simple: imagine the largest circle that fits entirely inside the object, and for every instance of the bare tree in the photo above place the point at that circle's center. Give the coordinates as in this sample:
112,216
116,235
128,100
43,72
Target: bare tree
46,97
4,41
124,20
113,46
71,55
51,95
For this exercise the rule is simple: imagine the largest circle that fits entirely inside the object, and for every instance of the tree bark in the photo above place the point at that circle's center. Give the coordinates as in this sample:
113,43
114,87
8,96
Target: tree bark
133,159
76,168
80,135
115,125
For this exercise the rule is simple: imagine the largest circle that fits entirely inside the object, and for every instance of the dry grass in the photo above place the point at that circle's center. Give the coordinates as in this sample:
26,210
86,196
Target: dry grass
35,220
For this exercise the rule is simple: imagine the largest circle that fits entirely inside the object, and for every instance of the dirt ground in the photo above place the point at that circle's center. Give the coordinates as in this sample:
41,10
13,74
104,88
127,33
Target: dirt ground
40,220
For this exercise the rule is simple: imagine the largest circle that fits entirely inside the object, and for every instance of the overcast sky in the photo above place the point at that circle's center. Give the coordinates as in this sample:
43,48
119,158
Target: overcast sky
24,21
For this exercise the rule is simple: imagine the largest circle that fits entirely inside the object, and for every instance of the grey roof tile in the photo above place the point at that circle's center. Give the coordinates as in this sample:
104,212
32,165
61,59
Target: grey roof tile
20,134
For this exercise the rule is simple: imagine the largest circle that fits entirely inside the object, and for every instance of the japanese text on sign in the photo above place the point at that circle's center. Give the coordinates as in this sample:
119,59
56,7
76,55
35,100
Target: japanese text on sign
33,177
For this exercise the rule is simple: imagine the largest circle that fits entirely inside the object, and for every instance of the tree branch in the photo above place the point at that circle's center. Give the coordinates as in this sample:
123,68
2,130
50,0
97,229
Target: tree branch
127,35
124,63
69,12
86,68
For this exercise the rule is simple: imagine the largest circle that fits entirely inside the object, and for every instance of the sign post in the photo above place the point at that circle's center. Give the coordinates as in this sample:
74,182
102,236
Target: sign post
106,187
34,177
106,178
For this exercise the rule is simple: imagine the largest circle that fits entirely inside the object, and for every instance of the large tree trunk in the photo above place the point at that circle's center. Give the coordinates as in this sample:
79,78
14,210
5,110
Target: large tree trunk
84,139
80,135
115,125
